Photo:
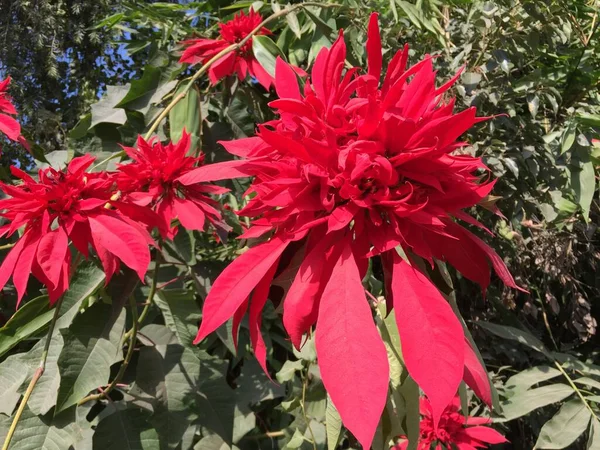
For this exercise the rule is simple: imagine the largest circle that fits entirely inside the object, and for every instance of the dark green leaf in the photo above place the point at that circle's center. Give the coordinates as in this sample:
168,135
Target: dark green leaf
125,429
266,52
517,335
522,403
181,313
567,425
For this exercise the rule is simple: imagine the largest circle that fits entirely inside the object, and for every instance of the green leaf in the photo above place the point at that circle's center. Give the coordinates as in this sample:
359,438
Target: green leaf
186,114
185,245
169,374
413,14
410,392
522,403
266,52
333,424
125,429
29,319
588,382
12,376
46,432
593,442
584,185
292,20
288,371
211,442
592,120
92,345
181,313
216,401
568,138
106,110
527,378
567,425
515,334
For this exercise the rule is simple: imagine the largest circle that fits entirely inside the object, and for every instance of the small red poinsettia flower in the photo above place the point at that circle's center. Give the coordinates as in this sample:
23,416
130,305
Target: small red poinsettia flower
8,125
73,205
241,62
150,179
453,431
360,166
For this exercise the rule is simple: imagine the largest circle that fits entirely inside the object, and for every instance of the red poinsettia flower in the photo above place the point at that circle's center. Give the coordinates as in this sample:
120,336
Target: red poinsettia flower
150,179
8,125
360,166
65,205
454,430
241,62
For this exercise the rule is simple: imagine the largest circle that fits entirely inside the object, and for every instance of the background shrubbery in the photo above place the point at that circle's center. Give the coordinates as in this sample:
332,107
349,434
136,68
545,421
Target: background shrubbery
91,74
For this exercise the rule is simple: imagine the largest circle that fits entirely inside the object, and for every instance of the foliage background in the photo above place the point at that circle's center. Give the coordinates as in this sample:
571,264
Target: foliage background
91,74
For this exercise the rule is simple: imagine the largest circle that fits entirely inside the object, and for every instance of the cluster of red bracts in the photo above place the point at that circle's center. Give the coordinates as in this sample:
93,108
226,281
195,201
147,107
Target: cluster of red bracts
111,213
360,166
8,125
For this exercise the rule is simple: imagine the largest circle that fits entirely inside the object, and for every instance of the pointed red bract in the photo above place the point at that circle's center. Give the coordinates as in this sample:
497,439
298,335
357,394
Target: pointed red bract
476,376
431,335
352,357
8,125
236,283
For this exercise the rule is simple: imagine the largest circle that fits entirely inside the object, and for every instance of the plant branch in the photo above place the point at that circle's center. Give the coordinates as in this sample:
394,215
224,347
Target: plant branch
36,377
225,51
304,384
576,389
132,334
7,246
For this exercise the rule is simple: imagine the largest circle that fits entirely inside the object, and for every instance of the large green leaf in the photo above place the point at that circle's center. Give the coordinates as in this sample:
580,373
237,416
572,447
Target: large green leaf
170,375
593,442
181,313
333,424
266,52
584,185
216,401
522,403
186,115
515,334
46,432
12,376
92,345
527,378
29,319
126,428
106,110
567,425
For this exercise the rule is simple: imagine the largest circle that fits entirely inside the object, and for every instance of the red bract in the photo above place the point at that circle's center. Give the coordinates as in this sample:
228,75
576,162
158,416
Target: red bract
356,167
240,62
454,430
9,126
151,180
71,205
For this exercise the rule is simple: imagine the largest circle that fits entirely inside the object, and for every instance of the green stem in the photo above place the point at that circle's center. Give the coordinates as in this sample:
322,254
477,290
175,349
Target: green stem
304,384
576,389
132,334
36,376
7,246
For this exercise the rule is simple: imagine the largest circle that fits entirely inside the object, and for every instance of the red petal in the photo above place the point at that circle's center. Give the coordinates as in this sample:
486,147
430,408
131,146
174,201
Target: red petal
485,434
258,72
300,307
476,376
8,265
51,253
286,83
236,283
215,172
352,357
432,337
374,56
259,299
237,320
10,127
222,68
244,147
188,213
23,266
122,240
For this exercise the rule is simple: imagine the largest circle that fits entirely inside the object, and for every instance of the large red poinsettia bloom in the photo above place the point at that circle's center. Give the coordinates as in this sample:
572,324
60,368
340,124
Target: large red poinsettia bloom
453,431
65,205
360,166
150,179
240,62
8,125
